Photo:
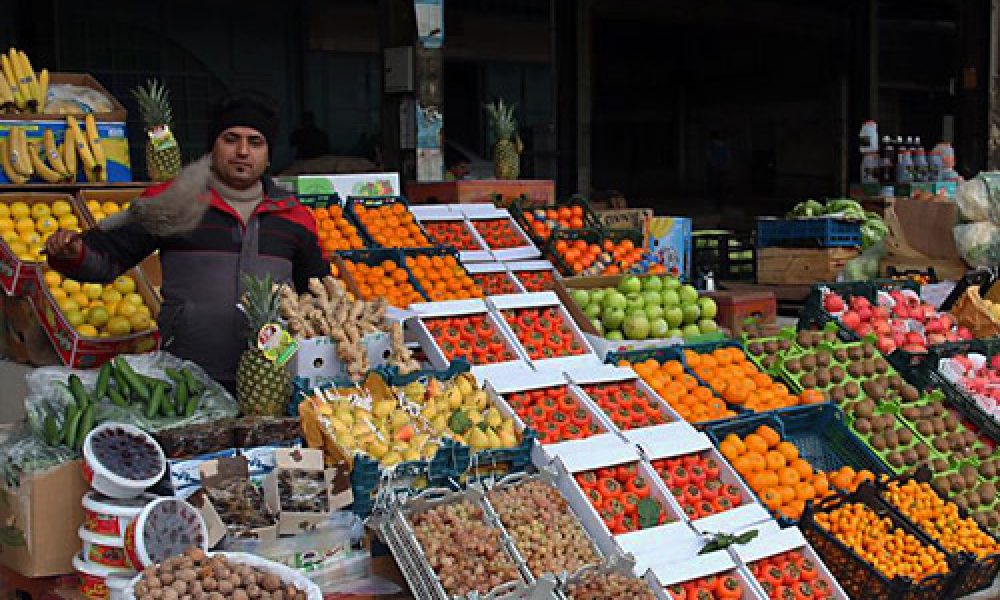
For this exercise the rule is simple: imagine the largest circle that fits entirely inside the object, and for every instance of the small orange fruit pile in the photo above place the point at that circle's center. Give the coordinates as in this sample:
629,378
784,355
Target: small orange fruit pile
442,278
335,231
740,382
386,279
392,226
940,519
881,544
605,258
694,402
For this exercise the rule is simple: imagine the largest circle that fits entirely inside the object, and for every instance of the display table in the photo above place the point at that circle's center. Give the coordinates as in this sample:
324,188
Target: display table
539,192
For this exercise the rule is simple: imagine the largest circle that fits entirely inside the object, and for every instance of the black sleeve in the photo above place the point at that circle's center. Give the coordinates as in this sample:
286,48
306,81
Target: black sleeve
308,263
108,254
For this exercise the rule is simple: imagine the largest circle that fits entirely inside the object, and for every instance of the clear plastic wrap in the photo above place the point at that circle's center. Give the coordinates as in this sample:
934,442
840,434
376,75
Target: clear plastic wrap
865,266
48,395
973,200
21,452
978,243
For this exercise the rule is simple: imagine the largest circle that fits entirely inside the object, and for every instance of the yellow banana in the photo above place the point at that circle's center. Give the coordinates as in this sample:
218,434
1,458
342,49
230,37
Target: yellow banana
69,153
18,152
8,168
52,153
42,169
29,73
100,162
43,89
82,149
11,77
22,77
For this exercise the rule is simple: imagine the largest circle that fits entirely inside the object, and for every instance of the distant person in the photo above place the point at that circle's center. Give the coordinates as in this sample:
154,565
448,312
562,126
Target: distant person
309,140
719,161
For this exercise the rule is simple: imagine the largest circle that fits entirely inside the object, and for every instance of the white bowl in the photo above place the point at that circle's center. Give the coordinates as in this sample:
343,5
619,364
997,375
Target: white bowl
108,483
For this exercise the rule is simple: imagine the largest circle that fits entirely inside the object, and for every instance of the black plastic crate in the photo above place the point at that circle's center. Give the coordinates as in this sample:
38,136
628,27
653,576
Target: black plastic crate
982,277
859,578
728,255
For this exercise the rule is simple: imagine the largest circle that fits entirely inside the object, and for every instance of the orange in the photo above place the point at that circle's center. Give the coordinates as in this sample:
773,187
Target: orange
789,450
775,460
755,443
803,468
770,435
788,476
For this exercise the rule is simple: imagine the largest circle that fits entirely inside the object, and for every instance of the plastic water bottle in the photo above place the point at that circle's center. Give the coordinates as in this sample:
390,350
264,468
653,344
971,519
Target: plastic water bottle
920,166
934,166
904,167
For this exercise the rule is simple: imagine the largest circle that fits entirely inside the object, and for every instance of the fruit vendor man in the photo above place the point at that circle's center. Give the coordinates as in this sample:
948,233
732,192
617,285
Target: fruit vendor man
219,217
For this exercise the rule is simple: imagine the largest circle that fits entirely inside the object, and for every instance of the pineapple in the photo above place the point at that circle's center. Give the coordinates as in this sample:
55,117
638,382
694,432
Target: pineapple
163,154
262,387
508,147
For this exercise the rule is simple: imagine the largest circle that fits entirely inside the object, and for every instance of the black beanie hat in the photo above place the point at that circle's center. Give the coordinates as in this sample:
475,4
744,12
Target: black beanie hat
245,109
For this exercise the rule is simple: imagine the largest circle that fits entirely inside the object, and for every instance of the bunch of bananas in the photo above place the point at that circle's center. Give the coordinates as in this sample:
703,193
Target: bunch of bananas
21,90
22,159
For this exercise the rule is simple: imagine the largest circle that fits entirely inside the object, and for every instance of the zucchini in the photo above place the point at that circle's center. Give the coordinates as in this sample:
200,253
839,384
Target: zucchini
52,433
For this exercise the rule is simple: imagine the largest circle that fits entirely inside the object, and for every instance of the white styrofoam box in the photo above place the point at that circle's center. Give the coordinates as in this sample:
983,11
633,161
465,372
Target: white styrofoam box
611,374
535,380
494,267
772,540
687,441
487,372
481,254
482,212
648,547
544,454
457,308
426,212
514,302
663,575
571,463
317,360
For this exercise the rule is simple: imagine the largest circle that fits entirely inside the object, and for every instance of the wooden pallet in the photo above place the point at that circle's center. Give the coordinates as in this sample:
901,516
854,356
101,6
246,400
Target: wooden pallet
802,266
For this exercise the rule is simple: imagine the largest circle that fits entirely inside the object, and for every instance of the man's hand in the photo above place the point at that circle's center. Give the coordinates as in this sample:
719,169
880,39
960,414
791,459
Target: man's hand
64,245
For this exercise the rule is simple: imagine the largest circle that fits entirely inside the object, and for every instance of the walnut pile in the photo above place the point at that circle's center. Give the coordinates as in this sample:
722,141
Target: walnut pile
196,576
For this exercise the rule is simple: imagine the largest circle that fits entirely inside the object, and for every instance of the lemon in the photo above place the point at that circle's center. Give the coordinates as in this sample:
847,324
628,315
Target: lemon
31,238
119,326
140,322
10,236
93,205
67,305
53,279
99,216
80,298
35,250
46,225
18,247
24,226
133,297
71,285
69,222
40,210
75,318
4,210
126,286
111,296
7,224
58,294
98,316
61,208
87,331
93,290
20,210
126,309
110,208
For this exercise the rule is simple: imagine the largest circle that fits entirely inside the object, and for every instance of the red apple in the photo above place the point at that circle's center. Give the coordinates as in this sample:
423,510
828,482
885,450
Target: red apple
881,328
914,338
886,345
865,313
833,303
915,348
850,319
863,329
934,325
858,302
964,333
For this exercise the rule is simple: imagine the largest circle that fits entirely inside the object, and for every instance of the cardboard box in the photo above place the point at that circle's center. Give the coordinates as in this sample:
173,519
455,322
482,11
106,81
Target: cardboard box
740,309
316,359
501,192
216,472
77,351
484,212
668,240
625,218
47,508
356,184
801,266
22,338
18,277
337,482
114,142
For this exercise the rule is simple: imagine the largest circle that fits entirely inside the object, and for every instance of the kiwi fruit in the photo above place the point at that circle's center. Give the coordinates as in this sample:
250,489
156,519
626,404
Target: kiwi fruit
869,366
823,358
940,464
950,422
840,355
983,451
957,482
973,499
855,353
941,444
988,490
881,366
891,439
822,377
808,362
925,428
855,370
878,442
961,502
808,381
866,408
890,420
793,365
784,344
911,413
837,374
910,456
981,519
755,348
895,382
867,350
938,409
970,438
873,390
770,347
988,470
769,361
851,389
905,436
863,426
941,485
922,451
926,412
937,424
969,474
909,394
895,460
836,394
829,336
804,339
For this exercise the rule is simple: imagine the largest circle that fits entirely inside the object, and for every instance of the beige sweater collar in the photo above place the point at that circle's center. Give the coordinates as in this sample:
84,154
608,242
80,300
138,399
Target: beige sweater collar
242,201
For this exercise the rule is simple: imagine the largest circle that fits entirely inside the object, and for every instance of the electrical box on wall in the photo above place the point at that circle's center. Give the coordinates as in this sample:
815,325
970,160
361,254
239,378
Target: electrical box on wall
398,69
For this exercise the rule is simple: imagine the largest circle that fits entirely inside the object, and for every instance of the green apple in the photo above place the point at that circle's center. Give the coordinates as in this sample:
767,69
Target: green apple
690,331
669,298
674,316
634,301
653,311
612,318
707,326
675,333
658,328
615,335
593,310
691,313
581,297
636,327
597,296
630,284
615,300
651,297
652,284
688,294
598,326
708,308
671,283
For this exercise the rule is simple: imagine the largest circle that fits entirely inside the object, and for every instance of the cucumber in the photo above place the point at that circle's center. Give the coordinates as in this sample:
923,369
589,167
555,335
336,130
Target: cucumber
167,407
117,399
52,434
174,375
192,405
79,392
194,386
135,382
103,379
181,398
86,424
121,382
156,398
72,424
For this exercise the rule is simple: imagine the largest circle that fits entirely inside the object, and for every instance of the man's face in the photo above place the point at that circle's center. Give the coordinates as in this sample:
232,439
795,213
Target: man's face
239,156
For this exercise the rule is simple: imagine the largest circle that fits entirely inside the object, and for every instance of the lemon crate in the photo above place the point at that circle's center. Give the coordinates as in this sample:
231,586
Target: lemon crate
976,574
20,277
350,209
859,578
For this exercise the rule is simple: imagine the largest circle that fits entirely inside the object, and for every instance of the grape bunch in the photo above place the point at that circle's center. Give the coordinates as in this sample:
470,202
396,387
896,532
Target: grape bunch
547,534
595,586
465,553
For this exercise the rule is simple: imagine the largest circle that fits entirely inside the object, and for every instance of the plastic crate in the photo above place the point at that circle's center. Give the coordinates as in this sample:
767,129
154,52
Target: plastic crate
591,236
409,253
982,277
353,202
976,574
858,578
373,257
824,232
320,200
814,315
518,209
720,252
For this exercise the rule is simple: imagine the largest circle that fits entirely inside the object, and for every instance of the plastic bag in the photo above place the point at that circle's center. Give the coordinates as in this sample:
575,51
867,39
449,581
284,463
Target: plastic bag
47,394
865,266
66,98
978,243
22,452
973,200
